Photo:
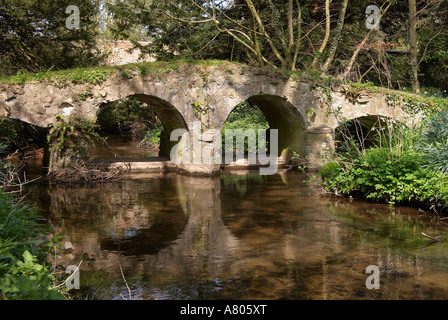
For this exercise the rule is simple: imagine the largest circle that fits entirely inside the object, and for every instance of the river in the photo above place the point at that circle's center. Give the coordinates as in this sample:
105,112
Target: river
239,236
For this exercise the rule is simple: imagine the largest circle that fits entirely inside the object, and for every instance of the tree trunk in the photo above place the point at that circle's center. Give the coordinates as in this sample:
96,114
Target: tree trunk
337,38
413,42
361,45
299,36
288,60
327,33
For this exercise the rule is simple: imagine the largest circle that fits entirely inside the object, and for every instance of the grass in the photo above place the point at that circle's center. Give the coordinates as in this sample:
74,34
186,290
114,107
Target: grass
426,100
100,73
401,165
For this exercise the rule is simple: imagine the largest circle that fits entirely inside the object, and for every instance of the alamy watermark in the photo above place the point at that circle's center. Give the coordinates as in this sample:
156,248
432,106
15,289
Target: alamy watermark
73,20
72,281
206,148
373,17
373,281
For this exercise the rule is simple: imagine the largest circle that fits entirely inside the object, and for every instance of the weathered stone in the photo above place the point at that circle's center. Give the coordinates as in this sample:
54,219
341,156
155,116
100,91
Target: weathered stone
291,106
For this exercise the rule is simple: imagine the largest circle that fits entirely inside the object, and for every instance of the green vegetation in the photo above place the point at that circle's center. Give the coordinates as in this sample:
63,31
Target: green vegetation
98,74
426,103
245,116
35,37
403,165
131,117
326,37
70,139
323,41
434,143
61,78
15,134
25,272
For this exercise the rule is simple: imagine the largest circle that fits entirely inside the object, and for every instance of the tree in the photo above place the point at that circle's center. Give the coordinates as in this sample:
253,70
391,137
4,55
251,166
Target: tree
327,33
413,43
432,35
329,36
337,37
35,36
361,45
266,32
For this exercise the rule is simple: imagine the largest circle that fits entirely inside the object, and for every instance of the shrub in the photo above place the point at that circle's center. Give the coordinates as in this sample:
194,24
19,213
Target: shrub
71,138
329,170
383,177
24,271
434,143
245,116
152,137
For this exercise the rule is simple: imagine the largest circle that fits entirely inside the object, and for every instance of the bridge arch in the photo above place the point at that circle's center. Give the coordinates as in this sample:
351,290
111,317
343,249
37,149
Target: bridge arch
286,118
169,116
305,113
365,131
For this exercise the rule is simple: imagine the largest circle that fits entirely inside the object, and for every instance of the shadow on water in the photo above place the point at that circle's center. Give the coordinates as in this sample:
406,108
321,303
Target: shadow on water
240,237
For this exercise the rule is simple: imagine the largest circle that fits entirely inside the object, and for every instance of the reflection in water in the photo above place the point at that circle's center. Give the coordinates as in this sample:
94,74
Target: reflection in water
240,237
121,146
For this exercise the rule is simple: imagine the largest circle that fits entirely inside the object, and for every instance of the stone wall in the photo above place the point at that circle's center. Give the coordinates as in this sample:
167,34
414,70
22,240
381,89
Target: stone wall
302,112
120,52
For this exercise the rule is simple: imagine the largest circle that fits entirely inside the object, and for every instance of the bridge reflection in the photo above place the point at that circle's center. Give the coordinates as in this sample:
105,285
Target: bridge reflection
237,237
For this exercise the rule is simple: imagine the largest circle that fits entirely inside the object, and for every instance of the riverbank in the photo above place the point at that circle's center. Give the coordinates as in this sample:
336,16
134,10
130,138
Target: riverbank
397,181
402,165
26,239
25,271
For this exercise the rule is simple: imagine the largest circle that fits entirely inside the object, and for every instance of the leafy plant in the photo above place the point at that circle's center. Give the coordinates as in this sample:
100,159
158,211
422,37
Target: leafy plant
152,137
29,280
245,116
381,178
15,134
392,169
24,248
131,116
70,139
434,143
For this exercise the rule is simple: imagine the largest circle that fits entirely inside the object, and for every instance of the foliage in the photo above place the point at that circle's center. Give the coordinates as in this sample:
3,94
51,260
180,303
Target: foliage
417,103
131,116
292,35
21,229
434,143
15,134
98,74
257,32
29,280
433,38
394,169
24,248
152,137
35,37
61,78
245,116
396,180
72,137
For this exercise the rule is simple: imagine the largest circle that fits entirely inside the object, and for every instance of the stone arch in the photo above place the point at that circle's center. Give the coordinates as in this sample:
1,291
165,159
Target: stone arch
363,129
169,115
171,119
287,119
25,137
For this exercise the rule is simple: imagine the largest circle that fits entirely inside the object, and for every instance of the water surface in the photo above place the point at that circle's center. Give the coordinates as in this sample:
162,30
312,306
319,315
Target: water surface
240,236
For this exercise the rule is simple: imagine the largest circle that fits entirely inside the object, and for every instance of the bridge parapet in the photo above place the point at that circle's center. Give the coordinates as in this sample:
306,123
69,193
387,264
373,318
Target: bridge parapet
304,113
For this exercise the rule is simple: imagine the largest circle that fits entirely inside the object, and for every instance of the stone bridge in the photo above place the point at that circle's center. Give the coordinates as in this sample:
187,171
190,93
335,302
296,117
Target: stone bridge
304,111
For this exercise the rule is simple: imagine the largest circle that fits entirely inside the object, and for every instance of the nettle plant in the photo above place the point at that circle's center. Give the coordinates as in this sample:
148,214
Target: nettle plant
70,139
